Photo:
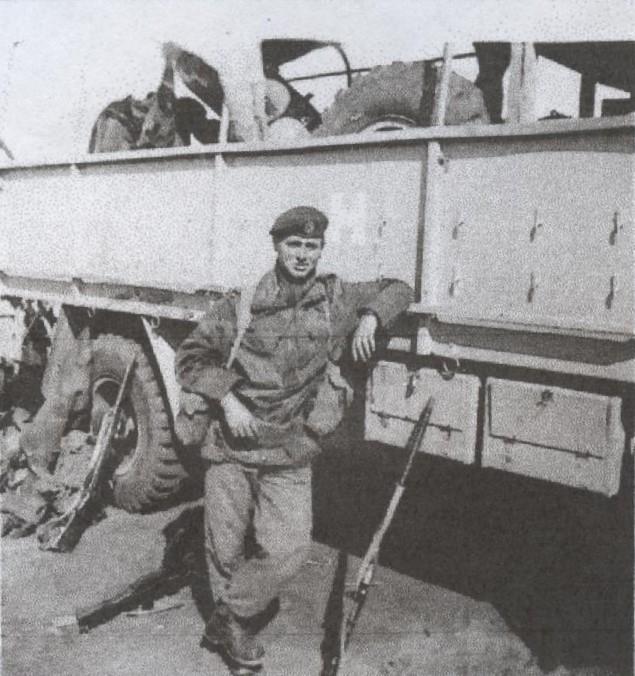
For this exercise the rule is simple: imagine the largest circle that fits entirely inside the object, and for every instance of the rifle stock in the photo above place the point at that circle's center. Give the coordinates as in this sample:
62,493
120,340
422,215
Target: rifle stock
367,567
63,533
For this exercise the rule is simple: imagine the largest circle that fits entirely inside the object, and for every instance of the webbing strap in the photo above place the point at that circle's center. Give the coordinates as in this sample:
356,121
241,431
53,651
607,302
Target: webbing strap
243,317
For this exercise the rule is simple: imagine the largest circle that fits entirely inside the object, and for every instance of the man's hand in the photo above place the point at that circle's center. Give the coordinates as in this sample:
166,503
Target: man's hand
240,420
363,344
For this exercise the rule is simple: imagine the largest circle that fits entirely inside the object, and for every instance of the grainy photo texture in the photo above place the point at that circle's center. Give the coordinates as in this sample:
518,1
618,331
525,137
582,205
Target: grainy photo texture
317,337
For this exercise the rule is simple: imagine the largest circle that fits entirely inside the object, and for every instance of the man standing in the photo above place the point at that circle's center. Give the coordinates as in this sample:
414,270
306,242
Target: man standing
268,410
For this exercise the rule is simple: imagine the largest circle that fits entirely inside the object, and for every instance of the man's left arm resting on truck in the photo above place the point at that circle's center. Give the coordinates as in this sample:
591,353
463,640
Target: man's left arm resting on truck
365,307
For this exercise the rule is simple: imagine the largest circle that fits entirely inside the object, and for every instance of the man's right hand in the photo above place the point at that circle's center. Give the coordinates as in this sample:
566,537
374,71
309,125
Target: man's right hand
240,420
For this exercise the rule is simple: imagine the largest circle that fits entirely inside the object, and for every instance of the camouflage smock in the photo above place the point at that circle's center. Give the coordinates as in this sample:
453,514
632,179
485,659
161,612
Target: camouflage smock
294,332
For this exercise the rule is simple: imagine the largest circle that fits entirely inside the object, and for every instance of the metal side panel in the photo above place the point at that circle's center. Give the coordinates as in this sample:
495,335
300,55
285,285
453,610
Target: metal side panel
534,232
147,223
396,396
568,437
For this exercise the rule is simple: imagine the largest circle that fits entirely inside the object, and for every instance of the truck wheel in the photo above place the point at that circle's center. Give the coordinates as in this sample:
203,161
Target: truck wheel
389,97
147,470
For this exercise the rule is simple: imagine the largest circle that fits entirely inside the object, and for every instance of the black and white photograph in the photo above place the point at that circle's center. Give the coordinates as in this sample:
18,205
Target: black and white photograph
317,337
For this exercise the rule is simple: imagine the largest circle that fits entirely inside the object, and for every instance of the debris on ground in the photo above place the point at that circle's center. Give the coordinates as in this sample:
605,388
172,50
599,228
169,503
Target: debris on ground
64,532
29,495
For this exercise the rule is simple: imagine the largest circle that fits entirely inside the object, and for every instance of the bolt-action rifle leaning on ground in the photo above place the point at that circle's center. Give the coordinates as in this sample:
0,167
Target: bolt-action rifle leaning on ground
367,567
63,533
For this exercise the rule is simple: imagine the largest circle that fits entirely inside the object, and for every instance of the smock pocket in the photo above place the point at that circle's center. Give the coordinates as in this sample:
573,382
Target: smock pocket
333,396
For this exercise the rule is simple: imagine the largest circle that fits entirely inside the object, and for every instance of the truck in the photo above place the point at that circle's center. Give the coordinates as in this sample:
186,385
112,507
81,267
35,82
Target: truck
516,236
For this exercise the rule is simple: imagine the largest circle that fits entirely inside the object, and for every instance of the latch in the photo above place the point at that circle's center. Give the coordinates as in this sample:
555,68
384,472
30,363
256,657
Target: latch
456,230
411,385
612,291
535,227
546,396
533,285
453,288
616,227
384,420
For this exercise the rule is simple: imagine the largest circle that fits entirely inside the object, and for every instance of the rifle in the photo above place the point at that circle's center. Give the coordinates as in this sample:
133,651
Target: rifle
64,532
367,567
180,567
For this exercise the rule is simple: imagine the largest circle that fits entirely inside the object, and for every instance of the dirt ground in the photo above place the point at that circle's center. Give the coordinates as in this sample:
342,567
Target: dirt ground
482,574
407,627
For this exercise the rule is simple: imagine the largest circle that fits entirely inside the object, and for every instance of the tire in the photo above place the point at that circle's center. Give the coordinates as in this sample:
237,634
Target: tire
390,97
147,469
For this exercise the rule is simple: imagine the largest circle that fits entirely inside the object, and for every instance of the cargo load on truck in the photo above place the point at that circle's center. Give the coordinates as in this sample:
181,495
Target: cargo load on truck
161,119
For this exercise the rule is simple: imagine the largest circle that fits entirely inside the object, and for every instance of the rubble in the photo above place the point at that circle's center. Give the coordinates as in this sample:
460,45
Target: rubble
29,495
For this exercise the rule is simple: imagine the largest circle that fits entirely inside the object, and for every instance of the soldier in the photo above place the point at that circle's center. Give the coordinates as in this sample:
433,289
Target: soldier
268,411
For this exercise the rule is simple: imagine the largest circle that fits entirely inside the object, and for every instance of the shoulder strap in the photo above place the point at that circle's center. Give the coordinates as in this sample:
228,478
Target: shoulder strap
243,317
330,283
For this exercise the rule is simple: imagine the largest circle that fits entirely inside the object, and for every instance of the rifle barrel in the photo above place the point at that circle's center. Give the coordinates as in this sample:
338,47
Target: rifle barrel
367,566
416,438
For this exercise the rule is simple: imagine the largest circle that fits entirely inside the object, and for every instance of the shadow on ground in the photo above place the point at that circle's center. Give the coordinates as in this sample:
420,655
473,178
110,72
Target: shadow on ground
556,563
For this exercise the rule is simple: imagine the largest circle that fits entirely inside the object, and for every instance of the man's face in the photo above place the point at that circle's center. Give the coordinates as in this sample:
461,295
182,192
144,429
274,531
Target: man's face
299,256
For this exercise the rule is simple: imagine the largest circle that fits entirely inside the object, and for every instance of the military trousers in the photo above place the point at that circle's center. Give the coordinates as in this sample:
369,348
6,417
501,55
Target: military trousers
276,503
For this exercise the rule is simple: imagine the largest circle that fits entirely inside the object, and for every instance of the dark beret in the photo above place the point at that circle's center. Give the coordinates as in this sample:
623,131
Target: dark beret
302,221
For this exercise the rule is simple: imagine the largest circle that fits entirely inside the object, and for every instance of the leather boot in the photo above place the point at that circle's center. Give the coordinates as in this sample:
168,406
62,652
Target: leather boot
234,635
